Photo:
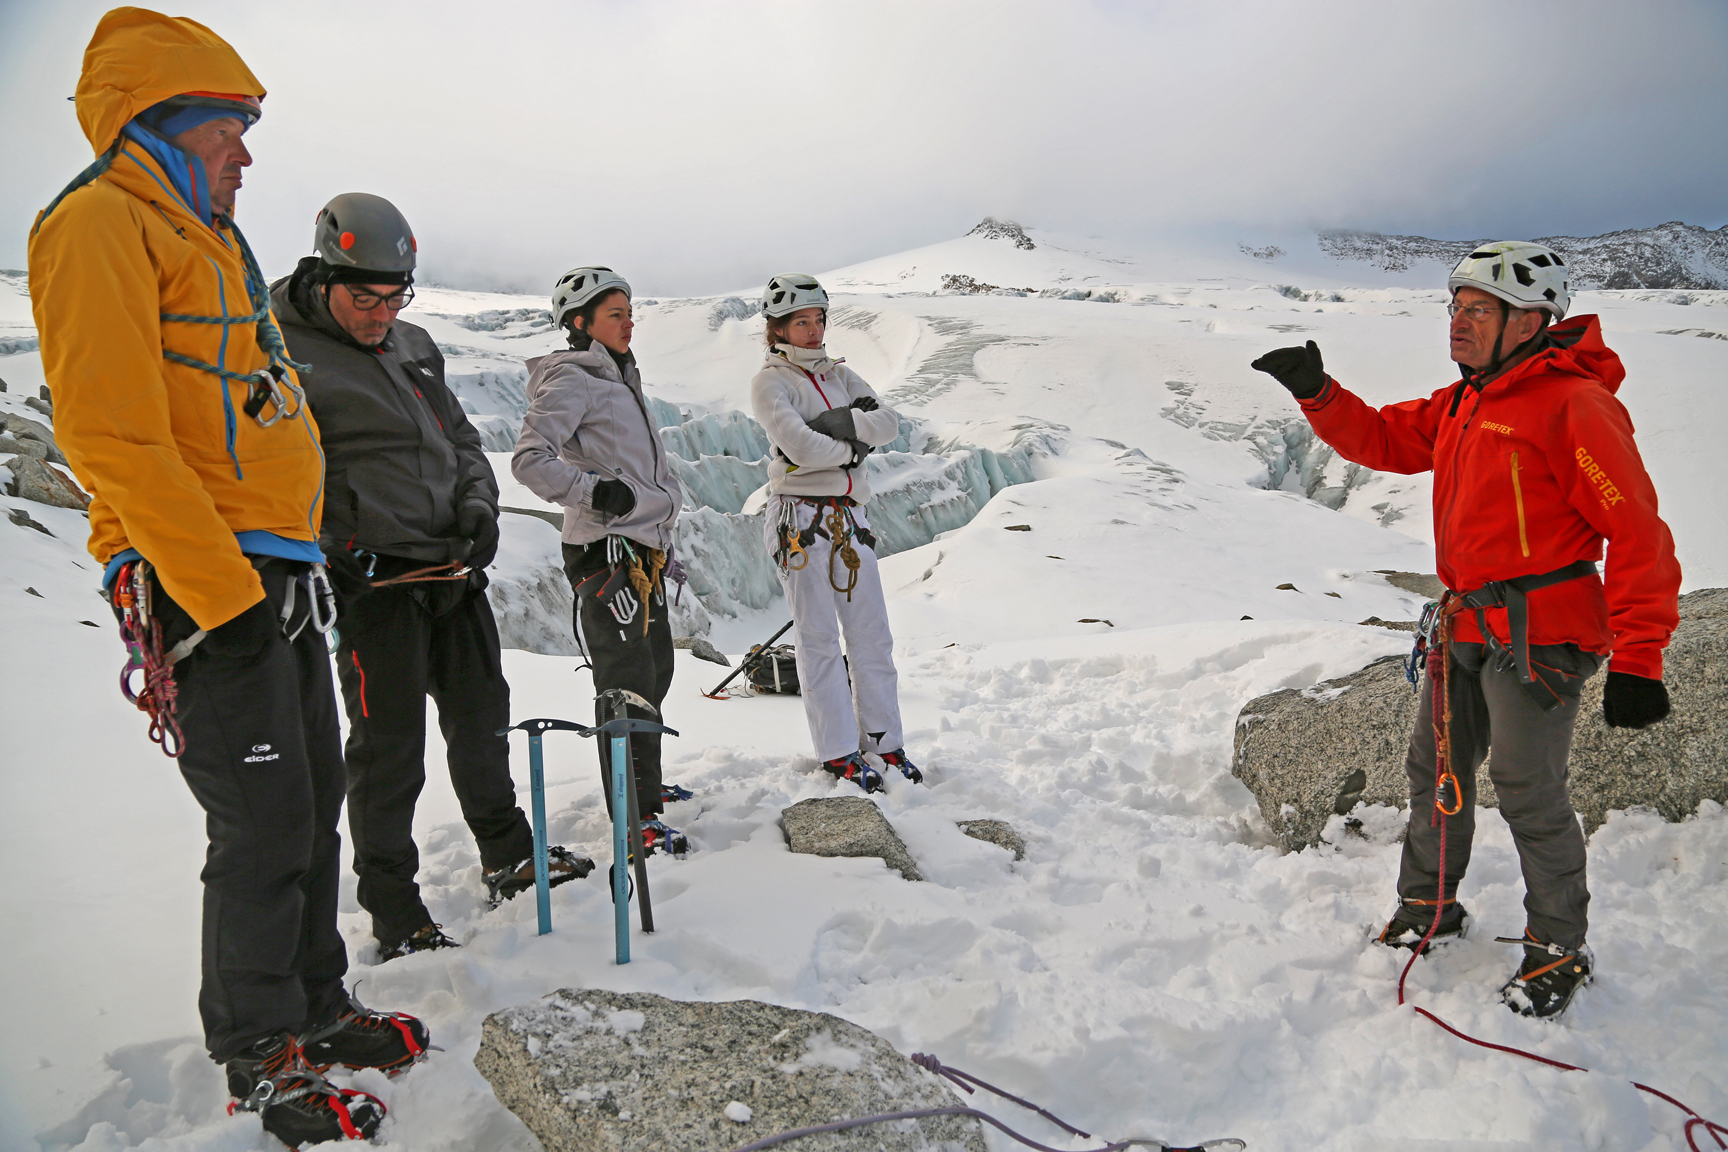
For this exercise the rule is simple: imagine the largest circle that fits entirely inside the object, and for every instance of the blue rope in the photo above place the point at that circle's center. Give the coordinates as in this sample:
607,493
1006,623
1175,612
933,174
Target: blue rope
96,168
268,335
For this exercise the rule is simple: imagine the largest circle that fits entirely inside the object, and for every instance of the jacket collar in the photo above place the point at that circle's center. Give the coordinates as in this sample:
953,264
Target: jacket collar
812,360
298,299
188,183
1573,347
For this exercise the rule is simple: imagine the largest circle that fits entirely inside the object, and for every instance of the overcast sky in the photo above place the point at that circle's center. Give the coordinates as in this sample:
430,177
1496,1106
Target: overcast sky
700,145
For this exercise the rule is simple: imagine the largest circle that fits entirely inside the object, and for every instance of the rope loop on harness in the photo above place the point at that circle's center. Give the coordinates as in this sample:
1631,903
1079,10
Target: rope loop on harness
142,632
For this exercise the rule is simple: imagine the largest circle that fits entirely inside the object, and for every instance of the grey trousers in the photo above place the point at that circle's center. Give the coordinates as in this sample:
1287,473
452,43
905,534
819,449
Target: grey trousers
1492,714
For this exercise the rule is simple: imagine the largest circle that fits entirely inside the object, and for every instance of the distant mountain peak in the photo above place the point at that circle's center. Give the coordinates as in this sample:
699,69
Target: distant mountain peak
1672,255
993,229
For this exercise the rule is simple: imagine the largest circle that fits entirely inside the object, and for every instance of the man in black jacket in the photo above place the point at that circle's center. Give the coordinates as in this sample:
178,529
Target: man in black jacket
410,523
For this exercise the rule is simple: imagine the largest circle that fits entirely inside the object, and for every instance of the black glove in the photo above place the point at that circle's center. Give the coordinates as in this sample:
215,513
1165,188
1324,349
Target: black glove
865,404
245,635
1298,369
478,524
347,575
859,451
836,422
1630,701
613,498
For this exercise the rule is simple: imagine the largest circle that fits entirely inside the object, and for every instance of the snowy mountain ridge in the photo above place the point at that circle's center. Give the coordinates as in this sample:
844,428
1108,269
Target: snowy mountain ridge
1672,255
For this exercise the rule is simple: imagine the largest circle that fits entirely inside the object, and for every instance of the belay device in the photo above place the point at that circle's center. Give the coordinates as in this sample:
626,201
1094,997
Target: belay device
626,828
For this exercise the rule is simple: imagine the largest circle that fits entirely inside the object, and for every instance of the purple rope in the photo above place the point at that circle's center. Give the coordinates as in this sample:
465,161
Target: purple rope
956,1110
934,1065
931,1064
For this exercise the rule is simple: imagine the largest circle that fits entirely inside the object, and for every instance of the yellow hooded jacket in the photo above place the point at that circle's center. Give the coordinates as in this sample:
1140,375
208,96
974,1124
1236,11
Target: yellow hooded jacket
175,467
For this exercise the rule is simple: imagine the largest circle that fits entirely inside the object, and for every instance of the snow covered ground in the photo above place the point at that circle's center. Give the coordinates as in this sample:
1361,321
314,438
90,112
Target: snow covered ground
1154,966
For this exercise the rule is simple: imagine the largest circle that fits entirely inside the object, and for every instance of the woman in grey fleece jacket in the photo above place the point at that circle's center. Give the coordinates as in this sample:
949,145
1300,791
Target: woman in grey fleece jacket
589,443
823,420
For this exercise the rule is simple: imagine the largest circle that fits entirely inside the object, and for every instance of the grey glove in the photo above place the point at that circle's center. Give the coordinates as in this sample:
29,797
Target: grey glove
836,422
859,451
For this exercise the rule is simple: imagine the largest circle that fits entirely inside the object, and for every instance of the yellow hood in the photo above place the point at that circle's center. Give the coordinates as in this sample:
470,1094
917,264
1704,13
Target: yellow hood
139,58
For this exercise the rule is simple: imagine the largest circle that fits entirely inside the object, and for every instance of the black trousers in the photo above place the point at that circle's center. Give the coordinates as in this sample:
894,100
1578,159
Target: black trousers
263,758
1492,713
624,655
395,649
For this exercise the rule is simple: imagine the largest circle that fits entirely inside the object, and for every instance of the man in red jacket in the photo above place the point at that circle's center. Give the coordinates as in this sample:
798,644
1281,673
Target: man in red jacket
1534,467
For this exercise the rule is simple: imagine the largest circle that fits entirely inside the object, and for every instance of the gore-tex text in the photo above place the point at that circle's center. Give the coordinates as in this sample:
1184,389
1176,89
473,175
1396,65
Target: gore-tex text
1610,494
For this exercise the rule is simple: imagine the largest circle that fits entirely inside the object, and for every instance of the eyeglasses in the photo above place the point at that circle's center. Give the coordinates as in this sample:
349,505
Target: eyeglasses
1476,312
366,301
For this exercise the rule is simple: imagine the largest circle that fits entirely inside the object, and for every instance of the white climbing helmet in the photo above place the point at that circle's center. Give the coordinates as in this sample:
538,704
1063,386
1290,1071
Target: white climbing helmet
1524,275
580,285
791,291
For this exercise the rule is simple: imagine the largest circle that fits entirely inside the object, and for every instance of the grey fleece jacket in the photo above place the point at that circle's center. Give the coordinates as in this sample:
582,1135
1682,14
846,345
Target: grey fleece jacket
589,422
401,457
792,388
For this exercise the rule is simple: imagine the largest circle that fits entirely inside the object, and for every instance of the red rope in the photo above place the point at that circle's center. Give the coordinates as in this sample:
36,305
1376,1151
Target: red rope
1441,708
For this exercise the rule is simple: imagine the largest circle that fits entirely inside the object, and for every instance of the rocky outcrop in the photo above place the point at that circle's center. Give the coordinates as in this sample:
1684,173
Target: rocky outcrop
993,229
1311,753
593,1071
997,832
34,479
29,437
846,826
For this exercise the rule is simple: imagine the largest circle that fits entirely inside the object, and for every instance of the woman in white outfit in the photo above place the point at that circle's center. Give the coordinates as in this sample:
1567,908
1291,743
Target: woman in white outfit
823,420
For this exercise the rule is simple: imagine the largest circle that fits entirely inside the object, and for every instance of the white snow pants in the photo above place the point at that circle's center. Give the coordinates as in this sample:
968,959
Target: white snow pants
866,716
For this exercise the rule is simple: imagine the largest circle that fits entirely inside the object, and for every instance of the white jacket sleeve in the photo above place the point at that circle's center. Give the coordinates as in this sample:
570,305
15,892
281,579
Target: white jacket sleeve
554,413
876,428
797,441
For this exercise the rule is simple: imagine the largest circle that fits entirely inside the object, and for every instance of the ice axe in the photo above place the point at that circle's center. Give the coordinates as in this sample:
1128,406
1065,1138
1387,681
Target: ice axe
611,708
537,791
618,728
744,664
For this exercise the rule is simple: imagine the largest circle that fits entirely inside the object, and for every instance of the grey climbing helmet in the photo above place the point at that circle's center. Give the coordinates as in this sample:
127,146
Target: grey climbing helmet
365,232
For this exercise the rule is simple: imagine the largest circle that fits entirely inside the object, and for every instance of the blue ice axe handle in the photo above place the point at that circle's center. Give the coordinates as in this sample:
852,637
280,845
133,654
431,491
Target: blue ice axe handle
537,792
626,830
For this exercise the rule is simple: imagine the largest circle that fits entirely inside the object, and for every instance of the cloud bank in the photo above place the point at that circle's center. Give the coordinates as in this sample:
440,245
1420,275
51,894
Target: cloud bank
701,146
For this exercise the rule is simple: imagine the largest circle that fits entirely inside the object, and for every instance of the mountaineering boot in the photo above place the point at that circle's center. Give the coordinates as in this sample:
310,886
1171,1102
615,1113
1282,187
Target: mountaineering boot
1547,979
657,837
427,939
1413,919
852,767
295,1103
897,759
562,866
361,1038
669,793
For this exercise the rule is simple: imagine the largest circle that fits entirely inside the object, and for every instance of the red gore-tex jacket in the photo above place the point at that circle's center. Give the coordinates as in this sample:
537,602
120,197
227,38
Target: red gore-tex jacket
1530,474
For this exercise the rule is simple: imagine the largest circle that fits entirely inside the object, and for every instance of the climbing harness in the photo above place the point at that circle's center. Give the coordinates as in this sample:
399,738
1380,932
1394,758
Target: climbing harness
634,576
840,529
455,570
966,1081
1449,801
142,632
1511,595
320,603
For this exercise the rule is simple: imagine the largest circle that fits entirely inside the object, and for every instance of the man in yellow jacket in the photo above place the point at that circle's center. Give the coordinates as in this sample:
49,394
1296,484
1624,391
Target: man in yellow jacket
178,409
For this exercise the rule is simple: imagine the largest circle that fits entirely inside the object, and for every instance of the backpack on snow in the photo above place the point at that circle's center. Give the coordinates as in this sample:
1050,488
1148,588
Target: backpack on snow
773,669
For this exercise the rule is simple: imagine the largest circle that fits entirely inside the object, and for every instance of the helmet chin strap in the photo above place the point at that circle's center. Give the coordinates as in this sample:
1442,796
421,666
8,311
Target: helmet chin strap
1478,376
